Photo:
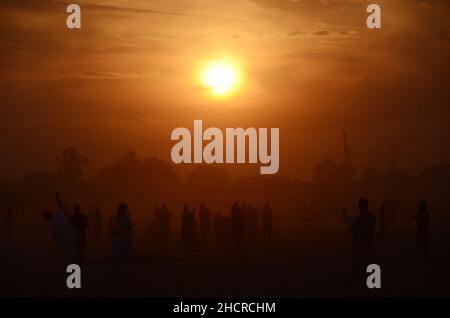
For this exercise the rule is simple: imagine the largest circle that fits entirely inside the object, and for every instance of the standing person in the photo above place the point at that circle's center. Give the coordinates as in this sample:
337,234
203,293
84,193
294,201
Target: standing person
188,228
422,219
363,229
253,222
123,242
217,227
61,232
205,222
79,223
245,222
156,222
236,226
267,222
166,217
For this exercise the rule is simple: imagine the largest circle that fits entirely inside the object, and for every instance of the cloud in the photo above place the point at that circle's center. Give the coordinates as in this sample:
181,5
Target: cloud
295,33
322,33
49,5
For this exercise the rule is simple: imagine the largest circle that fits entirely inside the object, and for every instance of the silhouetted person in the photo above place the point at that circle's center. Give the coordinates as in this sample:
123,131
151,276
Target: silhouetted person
158,222
422,219
79,223
226,229
363,229
188,228
382,222
123,243
7,226
61,232
267,222
245,220
217,227
50,217
253,222
205,222
237,226
221,228
165,216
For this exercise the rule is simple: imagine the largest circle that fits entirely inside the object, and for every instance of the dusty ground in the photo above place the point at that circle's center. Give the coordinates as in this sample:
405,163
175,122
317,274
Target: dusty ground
304,264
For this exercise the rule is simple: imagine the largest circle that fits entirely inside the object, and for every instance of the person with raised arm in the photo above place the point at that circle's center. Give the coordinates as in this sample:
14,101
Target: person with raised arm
61,231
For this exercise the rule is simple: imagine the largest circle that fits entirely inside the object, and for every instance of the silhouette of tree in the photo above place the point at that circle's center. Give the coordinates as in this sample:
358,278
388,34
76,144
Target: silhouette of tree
208,182
72,164
439,172
328,172
325,171
371,176
137,181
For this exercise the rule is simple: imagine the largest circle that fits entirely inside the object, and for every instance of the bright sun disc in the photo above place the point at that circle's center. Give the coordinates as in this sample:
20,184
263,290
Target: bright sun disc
220,78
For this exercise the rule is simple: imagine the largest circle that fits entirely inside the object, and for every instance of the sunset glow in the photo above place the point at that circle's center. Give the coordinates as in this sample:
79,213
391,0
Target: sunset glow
221,78
210,156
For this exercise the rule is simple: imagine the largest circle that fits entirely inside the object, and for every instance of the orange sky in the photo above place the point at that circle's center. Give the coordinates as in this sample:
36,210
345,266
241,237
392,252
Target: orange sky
311,68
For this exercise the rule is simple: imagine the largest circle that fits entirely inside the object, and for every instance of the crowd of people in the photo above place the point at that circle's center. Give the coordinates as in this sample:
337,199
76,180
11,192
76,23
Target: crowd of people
69,230
202,227
240,225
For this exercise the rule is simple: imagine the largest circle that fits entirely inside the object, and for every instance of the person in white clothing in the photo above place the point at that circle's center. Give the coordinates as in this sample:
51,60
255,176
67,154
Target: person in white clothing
61,231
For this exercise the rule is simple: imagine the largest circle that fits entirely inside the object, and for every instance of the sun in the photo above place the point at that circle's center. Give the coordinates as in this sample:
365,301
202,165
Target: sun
221,78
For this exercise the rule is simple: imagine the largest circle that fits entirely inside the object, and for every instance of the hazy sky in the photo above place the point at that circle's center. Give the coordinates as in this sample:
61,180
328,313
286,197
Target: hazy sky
309,67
